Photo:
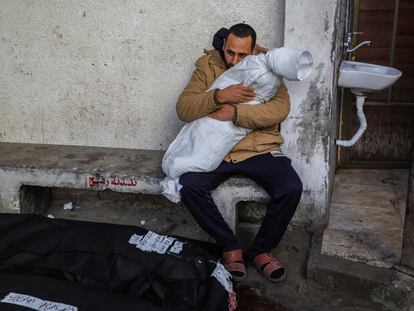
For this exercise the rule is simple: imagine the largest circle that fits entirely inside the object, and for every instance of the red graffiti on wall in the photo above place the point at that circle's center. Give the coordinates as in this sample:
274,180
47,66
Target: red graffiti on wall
96,182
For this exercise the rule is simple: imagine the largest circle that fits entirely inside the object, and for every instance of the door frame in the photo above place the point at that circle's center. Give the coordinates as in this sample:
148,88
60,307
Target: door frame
347,101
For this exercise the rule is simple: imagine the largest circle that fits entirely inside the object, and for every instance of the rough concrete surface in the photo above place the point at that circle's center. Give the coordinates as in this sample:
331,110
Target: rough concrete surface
391,288
366,216
102,168
313,25
104,73
156,213
98,168
72,166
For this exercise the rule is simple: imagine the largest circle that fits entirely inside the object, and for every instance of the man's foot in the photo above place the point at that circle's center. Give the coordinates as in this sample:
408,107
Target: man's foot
270,267
233,262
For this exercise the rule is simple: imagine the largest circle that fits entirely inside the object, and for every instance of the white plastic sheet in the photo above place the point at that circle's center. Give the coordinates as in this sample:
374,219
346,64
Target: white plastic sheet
201,145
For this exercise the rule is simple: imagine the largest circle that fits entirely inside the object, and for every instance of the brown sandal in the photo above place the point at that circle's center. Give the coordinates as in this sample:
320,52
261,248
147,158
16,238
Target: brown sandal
233,262
271,268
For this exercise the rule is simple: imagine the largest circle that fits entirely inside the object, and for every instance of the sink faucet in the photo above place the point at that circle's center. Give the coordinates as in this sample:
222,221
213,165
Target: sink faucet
348,41
363,43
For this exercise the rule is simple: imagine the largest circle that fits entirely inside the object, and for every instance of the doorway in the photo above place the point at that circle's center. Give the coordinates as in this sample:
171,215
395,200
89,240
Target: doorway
368,205
388,140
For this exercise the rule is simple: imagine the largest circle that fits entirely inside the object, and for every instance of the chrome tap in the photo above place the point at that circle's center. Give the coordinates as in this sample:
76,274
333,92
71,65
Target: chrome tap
348,41
363,43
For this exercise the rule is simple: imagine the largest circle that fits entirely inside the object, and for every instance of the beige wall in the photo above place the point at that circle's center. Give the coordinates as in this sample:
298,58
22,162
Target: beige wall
108,73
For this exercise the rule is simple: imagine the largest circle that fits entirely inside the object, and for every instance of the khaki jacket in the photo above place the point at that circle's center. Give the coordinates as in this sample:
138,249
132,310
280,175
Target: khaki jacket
194,103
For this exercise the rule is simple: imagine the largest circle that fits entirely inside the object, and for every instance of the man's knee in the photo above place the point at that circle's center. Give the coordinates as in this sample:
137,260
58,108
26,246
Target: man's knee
186,181
192,181
293,187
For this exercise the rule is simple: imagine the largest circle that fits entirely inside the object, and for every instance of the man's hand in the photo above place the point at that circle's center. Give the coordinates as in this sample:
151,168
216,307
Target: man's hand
224,113
235,94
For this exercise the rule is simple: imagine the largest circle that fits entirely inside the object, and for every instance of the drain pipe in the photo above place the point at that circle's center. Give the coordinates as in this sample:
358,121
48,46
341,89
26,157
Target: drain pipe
360,100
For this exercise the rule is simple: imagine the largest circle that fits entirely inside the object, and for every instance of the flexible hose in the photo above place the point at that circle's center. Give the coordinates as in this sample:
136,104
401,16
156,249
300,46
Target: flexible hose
362,124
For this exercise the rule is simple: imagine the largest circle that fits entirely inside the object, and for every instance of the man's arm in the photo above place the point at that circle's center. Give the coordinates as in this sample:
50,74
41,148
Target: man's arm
264,115
194,102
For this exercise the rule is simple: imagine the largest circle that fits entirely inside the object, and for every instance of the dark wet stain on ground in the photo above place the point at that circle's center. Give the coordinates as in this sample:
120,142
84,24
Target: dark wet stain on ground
248,300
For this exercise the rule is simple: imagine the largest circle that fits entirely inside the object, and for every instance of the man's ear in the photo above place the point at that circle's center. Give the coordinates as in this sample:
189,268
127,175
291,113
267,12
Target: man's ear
224,44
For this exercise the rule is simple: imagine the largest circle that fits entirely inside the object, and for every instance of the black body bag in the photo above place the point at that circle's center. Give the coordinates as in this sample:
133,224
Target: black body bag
164,270
19,292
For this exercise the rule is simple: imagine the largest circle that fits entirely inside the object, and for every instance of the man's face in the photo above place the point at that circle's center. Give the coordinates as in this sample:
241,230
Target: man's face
236,48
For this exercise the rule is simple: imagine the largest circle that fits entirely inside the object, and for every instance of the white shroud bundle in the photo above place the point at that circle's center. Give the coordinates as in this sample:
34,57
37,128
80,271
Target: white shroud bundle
202,144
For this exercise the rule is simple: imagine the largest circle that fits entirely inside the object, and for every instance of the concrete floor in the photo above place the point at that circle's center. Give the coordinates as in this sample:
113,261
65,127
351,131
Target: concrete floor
366,217
158,214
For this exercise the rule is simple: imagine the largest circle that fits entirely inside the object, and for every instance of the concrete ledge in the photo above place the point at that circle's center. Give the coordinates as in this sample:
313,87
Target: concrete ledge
27,171
388,287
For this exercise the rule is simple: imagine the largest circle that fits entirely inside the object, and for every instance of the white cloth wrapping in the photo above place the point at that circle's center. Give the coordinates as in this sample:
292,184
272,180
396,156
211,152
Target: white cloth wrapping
202,144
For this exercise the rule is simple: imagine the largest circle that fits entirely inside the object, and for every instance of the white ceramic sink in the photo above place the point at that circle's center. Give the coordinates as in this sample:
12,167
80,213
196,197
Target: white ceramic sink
366,77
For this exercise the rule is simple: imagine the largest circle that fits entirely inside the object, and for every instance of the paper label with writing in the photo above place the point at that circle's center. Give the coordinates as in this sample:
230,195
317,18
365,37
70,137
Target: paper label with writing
223,276
177,247
36,303
134,239
154,242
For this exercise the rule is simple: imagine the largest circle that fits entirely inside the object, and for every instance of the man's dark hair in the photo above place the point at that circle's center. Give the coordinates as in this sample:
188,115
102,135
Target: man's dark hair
243,30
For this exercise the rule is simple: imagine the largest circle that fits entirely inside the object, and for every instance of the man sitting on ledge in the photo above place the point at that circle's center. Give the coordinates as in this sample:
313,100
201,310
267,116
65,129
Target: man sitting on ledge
257,156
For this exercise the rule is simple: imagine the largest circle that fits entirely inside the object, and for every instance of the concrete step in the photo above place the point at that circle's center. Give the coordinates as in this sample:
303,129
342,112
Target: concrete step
366,216
372,248
389,287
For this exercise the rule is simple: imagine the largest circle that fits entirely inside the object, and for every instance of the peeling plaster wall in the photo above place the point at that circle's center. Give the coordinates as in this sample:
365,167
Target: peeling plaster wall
98,73
308,131
105,73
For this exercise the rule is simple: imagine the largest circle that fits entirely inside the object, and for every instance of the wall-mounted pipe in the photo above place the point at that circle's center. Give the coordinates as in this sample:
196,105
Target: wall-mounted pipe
360,100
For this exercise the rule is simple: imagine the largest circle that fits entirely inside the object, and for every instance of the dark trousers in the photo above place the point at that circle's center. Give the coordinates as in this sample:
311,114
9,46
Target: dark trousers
274,174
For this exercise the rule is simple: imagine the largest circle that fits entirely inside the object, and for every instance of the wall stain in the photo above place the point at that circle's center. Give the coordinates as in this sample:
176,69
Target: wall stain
20,69
314,124
336,40
57,32
326,22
